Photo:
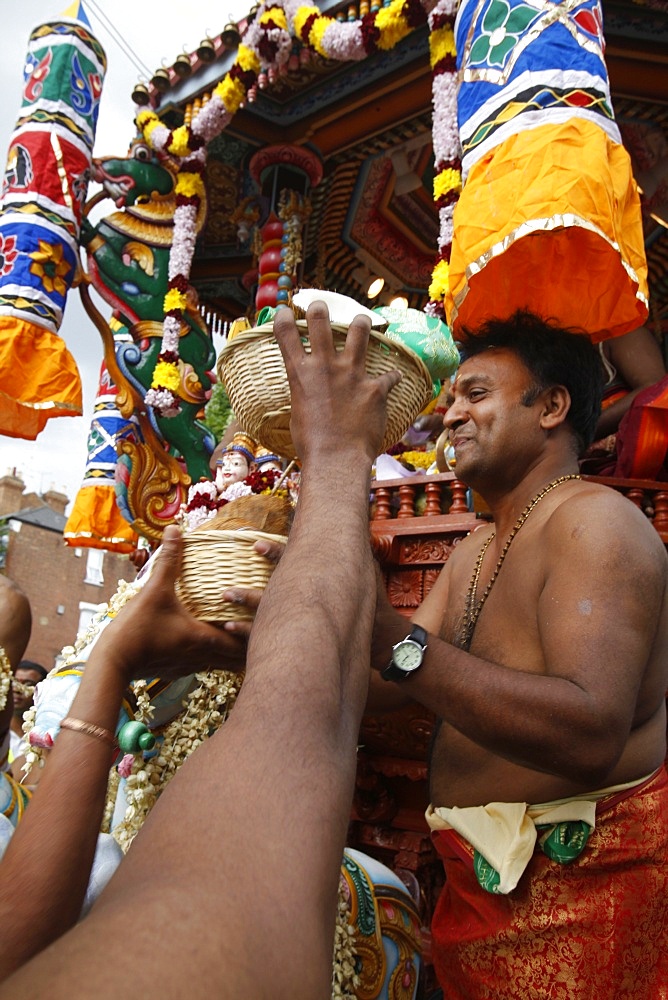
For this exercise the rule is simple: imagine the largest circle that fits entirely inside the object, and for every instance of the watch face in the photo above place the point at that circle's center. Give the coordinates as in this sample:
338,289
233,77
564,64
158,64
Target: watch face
408,655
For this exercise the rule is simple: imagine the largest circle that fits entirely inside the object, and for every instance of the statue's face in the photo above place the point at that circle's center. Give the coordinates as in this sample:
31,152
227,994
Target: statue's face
233,469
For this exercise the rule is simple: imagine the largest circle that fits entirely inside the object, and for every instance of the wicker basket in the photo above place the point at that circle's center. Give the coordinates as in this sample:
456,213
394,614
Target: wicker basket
214,561
252,369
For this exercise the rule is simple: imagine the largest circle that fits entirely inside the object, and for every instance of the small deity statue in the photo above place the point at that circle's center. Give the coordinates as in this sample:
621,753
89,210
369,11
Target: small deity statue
265,460
236,461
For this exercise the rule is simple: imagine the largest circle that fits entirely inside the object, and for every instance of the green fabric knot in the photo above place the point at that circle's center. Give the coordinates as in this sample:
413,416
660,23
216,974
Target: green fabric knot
565,841
561,842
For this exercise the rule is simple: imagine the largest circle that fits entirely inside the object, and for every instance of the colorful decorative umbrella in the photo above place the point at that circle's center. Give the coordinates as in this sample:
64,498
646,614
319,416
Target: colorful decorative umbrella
549,215
96,521
43,193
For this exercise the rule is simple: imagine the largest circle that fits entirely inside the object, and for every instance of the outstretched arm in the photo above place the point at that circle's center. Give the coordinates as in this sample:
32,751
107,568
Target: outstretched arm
598,612
230,887
45,870
638,359
15,626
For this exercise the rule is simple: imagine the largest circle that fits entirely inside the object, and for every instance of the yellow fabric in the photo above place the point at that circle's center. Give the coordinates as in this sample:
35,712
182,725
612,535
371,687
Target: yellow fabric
96,522
504,833
39,378
550,220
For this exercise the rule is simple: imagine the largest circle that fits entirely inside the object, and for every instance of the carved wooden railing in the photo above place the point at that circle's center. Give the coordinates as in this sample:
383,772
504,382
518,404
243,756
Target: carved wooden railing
415,524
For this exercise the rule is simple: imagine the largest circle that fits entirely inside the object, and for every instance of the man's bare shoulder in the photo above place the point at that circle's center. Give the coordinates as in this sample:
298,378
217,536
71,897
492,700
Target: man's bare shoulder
596,517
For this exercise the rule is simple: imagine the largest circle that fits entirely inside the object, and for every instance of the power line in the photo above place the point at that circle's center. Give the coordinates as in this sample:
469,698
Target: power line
124,45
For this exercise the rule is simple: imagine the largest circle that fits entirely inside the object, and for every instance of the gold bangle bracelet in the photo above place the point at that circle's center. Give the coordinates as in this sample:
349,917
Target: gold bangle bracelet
77,726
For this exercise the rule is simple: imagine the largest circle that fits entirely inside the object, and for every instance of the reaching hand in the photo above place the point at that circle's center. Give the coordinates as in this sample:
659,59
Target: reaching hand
250,597
337,408
155,636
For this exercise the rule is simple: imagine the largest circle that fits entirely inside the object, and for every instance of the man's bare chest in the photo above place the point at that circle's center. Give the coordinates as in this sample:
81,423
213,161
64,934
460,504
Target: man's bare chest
504,625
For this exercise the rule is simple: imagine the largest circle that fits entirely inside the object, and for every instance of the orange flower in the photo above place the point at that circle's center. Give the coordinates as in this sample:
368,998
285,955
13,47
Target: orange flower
50,266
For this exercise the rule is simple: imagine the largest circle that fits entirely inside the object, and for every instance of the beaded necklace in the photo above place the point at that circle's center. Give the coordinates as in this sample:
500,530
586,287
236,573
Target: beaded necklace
473,605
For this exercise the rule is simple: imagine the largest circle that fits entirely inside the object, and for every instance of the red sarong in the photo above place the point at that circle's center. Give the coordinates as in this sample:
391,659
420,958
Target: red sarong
593,929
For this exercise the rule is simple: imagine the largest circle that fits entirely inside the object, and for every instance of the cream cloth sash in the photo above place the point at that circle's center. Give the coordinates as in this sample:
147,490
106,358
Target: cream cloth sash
504,833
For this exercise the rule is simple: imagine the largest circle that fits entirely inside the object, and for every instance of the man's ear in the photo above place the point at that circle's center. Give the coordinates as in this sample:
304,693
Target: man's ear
556,404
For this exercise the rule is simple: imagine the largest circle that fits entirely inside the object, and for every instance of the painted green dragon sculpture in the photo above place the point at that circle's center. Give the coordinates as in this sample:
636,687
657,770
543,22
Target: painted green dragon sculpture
128,259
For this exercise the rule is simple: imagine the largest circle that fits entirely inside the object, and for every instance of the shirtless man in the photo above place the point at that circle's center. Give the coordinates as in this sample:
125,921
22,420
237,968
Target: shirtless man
552,689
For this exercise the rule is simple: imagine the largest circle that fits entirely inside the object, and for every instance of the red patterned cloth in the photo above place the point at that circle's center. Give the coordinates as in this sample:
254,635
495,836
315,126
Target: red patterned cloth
594,929
642,438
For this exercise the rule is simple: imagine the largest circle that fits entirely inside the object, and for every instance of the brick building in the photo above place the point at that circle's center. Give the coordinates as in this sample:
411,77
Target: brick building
64,585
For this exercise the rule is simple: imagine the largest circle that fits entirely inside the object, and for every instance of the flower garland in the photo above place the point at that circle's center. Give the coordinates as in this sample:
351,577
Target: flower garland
345,979
204,500
419,459
207,707
268,41
446,144
163,394
5,677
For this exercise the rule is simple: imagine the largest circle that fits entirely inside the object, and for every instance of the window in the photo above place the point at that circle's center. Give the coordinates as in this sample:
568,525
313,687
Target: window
86,612
94,567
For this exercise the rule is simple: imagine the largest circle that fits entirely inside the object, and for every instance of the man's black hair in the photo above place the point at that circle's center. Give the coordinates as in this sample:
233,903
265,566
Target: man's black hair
554,356
30,665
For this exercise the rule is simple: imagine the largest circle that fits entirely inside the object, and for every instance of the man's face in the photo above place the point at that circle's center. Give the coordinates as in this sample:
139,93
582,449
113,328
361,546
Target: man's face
29,678
489,426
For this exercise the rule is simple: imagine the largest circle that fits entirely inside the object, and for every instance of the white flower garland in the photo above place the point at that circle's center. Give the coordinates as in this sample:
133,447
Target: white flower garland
345,979
6,675
207,707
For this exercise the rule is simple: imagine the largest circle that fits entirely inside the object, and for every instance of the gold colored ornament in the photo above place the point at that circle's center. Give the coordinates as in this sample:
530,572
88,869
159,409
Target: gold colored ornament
474,606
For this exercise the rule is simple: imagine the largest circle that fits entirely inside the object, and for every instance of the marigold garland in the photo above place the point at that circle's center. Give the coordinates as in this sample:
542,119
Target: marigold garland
419,459
163,395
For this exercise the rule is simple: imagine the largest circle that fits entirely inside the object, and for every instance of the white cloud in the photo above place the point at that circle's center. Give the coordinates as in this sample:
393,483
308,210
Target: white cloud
157,33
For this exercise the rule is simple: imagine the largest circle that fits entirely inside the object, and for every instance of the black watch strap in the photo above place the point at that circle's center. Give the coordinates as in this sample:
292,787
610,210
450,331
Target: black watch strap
419,635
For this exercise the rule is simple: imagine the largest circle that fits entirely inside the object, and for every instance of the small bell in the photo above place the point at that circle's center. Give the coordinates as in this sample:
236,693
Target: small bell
230,36
160,80
140,94
182,65
206,51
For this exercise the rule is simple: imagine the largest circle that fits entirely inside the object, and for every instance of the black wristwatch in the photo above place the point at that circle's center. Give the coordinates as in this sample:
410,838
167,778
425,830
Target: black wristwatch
407,656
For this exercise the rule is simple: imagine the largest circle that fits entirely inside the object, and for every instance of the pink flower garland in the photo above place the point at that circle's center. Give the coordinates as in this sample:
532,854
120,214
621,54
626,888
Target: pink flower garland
446,143
163,395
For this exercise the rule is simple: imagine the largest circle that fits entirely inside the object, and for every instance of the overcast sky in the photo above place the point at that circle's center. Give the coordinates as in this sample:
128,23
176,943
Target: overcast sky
157,32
